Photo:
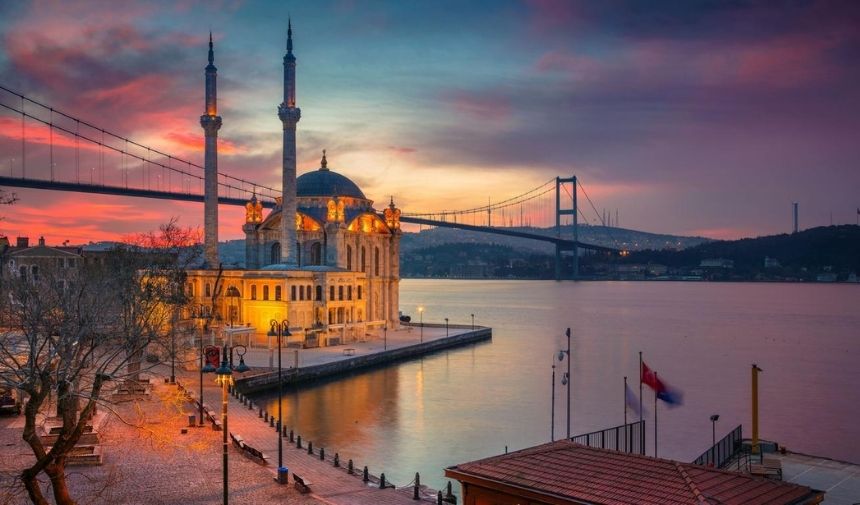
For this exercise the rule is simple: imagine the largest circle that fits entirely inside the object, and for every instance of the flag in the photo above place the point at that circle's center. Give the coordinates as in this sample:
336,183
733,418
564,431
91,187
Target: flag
631,400
663,391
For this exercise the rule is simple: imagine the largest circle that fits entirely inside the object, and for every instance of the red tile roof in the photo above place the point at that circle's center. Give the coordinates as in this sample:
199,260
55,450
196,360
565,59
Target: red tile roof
584,474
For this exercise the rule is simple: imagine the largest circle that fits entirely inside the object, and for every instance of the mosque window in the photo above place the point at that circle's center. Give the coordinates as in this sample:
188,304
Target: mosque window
265,292
276,253
292,293
363,262
208,290
301,292
331,293
359,293
316,253
253,291
349,257
376,261
308,292
319,293
277,292
349,292
340,292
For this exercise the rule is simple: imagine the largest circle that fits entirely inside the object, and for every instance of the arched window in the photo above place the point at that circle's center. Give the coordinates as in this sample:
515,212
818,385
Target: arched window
253,291
265,292
308,292
293,293
276,253
331,293
340,292
277,292
349,292
208,290
359,292
316,253
349,257
319,293
301,292
363,258
376,261
34,270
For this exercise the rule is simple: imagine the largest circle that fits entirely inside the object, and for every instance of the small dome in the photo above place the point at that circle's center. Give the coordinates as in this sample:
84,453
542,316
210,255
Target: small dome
324,182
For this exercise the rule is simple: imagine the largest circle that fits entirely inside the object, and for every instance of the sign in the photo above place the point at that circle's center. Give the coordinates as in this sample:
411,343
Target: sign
212,355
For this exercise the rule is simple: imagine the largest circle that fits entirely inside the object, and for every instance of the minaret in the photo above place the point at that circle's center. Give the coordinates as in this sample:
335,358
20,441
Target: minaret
211,123
289,115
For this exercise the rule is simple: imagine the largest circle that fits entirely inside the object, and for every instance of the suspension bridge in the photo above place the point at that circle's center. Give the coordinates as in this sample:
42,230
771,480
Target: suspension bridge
48,149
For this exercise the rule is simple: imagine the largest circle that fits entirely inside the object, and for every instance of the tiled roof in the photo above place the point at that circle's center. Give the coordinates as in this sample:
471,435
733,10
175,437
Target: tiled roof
588,475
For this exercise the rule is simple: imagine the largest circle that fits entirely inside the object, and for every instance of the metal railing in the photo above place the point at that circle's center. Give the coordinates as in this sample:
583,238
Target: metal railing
723,451
628,438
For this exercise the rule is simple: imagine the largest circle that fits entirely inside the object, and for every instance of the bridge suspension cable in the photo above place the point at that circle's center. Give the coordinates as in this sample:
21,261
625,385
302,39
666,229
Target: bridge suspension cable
238,184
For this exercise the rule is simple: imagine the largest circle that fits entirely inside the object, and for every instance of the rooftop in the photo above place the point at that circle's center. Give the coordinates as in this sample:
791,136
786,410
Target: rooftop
574,473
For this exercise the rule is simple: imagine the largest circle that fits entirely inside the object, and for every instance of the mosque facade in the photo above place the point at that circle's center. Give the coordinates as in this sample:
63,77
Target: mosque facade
323,258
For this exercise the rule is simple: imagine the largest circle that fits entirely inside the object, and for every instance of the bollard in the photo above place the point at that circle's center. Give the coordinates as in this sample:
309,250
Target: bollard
310,447
284,434
322,453
439,498
382,480
349,468
417,485
266,416
272,422
336,460
292,439
299,442
260,414
250,405
366,475
450,498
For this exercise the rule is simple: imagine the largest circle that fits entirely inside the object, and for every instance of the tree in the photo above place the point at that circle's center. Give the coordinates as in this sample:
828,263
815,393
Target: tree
76,330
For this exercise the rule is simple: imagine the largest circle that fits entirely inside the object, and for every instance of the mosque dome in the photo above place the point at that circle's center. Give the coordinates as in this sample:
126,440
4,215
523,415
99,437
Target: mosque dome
324,182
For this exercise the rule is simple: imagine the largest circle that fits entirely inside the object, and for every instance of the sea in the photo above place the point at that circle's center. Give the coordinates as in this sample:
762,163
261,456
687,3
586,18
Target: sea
701,338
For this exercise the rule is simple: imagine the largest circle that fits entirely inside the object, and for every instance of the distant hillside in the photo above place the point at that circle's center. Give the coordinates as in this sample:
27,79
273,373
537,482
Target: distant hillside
620,238
833,249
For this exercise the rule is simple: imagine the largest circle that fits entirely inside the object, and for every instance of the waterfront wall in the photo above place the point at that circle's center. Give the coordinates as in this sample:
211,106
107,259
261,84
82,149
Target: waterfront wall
269,380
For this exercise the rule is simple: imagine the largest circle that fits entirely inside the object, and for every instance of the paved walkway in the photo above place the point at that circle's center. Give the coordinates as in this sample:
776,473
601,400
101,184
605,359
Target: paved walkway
839,480
330,485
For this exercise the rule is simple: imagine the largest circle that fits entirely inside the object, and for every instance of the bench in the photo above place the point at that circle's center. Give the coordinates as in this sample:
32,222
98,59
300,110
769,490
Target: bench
349,351
255,453
238,442
769,468
302,485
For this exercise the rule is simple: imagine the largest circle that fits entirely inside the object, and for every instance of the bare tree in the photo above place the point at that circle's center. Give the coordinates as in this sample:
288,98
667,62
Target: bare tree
74,331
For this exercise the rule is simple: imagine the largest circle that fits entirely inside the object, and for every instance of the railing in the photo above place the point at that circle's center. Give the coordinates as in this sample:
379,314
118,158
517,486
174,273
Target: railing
628,438
723,451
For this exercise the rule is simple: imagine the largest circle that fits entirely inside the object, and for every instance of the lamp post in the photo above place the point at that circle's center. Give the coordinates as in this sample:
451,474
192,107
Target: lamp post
200,315
224,377
566,379
714,419
446,326
280,329
552,409
421,315
232,294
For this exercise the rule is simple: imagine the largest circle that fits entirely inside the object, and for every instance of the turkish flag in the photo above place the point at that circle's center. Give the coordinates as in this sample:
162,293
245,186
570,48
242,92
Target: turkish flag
649,379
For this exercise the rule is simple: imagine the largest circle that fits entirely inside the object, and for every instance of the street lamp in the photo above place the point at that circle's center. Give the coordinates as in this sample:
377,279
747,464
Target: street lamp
200,315
714,419
566,378
421,315
280,329
224,377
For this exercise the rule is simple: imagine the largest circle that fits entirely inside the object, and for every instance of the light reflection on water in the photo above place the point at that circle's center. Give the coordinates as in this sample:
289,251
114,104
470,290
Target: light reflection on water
469,403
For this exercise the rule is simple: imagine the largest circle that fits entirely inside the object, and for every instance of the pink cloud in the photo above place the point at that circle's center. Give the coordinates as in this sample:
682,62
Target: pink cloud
479,106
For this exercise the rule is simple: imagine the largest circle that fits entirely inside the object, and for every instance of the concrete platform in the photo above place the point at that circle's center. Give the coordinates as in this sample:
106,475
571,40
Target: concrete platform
839,480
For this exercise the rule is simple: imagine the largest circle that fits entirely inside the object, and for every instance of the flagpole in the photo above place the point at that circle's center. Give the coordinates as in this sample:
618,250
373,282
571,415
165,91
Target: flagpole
655,417
640,385
625,414
552,416
569,382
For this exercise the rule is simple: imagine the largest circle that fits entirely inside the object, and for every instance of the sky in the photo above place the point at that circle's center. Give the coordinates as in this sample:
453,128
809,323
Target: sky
689,117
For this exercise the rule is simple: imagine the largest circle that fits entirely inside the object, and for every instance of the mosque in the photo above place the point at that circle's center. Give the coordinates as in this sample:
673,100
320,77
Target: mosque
323,259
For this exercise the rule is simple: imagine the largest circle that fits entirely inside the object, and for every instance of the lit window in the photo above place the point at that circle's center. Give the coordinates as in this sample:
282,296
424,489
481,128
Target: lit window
277,292
265,292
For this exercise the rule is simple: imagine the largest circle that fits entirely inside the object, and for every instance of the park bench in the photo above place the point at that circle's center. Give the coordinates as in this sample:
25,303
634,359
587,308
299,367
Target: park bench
255,453
238,442
769,467
302,485
349,351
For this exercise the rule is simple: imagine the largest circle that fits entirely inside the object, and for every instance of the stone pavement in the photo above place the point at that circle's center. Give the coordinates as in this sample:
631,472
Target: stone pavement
331,485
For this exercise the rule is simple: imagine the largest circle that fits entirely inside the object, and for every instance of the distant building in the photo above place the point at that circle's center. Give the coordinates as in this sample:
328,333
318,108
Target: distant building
717,263
771,262
566,473
23,260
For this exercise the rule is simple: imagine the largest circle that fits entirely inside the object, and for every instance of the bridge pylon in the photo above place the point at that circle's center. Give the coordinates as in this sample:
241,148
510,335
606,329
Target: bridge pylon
559,211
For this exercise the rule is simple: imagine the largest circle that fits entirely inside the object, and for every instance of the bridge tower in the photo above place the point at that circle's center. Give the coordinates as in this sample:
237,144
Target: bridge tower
211,123
562,212
289,115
